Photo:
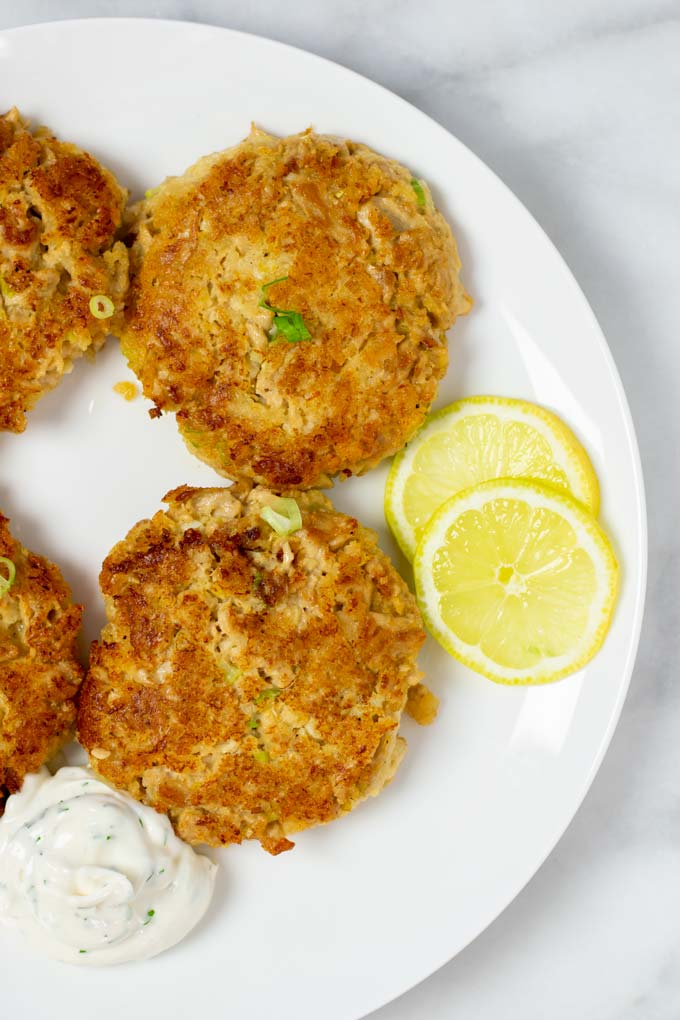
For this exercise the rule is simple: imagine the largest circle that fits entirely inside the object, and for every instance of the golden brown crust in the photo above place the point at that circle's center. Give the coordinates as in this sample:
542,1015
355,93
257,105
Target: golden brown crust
374,275
249,684
39,670
59,214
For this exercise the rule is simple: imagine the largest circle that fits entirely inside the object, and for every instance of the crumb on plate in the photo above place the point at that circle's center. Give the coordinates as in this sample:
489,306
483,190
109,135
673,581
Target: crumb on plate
422,705
127,390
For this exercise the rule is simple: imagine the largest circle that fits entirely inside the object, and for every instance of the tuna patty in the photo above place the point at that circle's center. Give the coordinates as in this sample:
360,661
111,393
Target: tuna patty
39,671
290,299
63,278
249,683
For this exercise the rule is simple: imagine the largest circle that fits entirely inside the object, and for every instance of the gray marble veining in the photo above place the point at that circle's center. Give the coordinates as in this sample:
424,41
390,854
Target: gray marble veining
576,106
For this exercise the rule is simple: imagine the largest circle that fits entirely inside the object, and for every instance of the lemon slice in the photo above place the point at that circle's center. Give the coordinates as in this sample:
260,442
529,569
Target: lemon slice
475,440
516,580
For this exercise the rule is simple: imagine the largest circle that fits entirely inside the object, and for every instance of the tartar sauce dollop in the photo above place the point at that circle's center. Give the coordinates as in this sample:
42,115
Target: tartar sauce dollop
91,876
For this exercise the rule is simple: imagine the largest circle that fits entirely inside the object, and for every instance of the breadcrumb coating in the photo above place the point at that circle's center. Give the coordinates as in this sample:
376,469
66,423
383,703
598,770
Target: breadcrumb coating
60,211
39,669
364,260
248,683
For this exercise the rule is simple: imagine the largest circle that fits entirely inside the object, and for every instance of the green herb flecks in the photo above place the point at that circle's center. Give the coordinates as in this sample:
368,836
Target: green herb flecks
267,695
287,323
261,756
420,193
5,290
7,582
232,673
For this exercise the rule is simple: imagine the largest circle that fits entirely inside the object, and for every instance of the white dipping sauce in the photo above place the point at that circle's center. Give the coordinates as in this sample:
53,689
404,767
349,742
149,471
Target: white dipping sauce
91,876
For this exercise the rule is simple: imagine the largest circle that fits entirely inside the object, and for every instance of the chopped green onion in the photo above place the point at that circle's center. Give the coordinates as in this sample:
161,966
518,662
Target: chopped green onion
261,755
265,288
82,950
7,582
258,579
101,306
150,192
253,722
288,323
292,326
232,674
268,695
150,913
283,516
5,288
420,193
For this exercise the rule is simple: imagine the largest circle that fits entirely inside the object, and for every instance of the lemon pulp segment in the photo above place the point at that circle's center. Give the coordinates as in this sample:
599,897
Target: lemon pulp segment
475,440
517,580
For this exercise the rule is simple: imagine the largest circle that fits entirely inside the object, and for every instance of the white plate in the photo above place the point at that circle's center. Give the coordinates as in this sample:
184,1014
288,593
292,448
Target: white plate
366,907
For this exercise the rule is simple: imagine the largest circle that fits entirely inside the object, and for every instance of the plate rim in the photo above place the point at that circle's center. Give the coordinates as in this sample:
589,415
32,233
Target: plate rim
633,450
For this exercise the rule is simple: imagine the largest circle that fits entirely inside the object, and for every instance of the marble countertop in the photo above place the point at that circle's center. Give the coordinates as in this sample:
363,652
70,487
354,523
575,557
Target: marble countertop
575,106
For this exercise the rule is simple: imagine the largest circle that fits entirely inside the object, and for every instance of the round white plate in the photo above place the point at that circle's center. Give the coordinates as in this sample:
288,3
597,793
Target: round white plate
366,907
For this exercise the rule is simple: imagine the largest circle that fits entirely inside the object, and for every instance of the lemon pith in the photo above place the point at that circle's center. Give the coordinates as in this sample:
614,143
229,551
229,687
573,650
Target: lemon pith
475,440
516,580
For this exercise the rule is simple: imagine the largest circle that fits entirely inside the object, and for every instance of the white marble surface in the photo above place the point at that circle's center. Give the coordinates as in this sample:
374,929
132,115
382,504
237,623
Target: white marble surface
576,106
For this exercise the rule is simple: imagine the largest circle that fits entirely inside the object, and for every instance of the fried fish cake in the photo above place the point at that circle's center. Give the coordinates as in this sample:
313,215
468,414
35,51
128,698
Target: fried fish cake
289,300
249,683
63,277
39,669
